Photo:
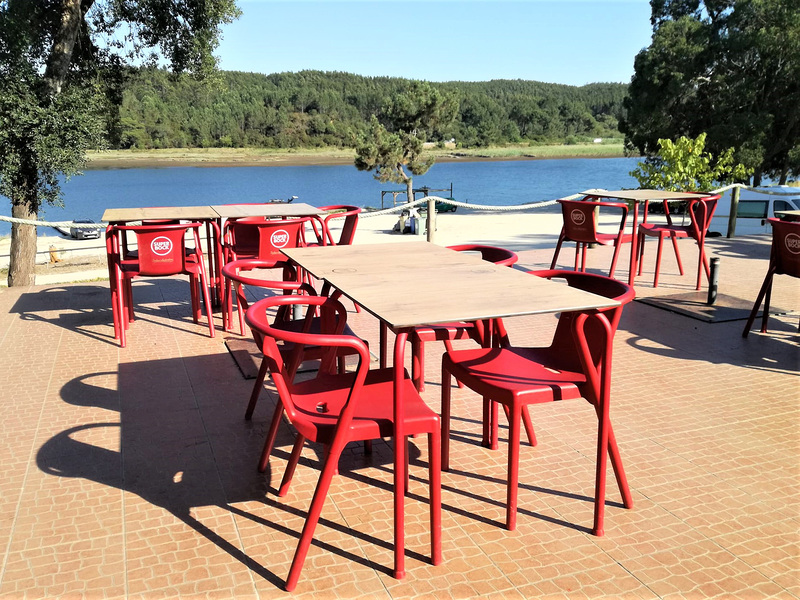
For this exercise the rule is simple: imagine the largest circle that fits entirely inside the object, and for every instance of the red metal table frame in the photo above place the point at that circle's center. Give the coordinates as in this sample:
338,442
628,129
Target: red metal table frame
438,285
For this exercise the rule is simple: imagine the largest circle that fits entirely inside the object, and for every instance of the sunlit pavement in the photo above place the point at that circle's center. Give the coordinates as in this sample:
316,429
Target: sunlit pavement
132,472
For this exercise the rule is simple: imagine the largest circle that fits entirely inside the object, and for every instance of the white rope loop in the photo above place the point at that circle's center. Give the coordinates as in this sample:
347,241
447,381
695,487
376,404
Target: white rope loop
407,205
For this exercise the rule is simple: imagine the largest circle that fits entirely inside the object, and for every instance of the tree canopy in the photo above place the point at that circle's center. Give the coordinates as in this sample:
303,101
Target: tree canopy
333,109
729,68
394,143
60,74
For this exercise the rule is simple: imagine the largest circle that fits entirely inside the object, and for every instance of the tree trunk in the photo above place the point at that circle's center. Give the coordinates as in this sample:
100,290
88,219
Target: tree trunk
22,260
410,189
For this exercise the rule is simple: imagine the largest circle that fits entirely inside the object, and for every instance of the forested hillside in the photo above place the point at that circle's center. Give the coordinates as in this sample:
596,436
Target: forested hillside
318,109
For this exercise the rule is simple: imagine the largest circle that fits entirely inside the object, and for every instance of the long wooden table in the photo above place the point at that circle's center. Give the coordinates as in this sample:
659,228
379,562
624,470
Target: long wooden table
637,197
419,283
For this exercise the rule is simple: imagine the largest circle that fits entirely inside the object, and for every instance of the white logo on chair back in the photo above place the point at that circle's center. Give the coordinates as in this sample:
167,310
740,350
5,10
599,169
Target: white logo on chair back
161,246
577,217
793,243
279,238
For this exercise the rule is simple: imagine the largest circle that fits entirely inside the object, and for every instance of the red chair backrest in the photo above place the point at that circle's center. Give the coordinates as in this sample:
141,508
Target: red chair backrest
333,317
564,340
492,254
580,220
242,234
350,216
162,248
274,236
786,247
701,212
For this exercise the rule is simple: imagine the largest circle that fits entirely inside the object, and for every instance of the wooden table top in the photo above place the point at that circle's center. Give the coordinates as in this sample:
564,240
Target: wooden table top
269,209
644,195
419,283
187,213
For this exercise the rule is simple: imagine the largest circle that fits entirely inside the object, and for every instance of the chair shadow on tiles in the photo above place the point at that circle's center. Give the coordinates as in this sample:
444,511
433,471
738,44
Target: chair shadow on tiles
180,451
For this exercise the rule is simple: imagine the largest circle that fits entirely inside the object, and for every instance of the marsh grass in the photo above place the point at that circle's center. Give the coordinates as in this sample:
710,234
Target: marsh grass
249,156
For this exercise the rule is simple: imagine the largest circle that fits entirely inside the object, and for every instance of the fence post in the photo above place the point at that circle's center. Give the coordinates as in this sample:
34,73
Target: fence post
734,212
431,218
713,281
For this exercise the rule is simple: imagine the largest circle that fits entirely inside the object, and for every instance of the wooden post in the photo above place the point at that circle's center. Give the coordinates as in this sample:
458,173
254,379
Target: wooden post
734,212
431,219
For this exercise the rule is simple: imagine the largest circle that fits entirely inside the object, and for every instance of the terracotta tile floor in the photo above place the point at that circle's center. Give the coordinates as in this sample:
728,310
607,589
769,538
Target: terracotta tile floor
132,473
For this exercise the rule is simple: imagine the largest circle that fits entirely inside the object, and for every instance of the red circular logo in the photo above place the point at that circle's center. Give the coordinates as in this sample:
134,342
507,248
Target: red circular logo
577,217
161,246
792,242
279,238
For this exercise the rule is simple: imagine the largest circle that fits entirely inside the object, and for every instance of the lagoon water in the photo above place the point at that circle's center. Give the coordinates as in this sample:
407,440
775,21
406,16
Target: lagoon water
496,183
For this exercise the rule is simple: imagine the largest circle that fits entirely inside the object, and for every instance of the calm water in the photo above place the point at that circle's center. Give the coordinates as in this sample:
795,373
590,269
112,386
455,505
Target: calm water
494,183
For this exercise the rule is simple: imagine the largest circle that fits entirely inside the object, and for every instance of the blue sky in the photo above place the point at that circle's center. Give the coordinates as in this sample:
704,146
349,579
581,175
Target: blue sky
564,41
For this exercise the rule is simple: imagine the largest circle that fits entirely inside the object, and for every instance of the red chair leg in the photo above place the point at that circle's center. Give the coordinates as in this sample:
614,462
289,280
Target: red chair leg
765,315
558,250
445,417
314,512
677,253
417,362
435,494
600,478
617,248
495,436
271,435
193,298
207,302
294,458
767,283
259,383
619,471
659,252
448,346
513,468
526,421
640,252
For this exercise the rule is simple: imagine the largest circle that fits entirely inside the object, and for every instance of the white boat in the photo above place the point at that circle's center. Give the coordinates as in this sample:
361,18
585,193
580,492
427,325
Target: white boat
755,207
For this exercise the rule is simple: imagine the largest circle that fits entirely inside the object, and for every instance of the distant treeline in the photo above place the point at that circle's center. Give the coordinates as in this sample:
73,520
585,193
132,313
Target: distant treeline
330,109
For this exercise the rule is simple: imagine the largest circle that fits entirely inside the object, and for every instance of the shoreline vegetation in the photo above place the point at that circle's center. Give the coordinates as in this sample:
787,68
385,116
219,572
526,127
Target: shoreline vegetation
267,157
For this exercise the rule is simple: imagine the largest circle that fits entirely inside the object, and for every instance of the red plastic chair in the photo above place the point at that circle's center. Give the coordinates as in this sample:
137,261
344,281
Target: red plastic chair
161,252
700,213
260,239
580,226
577,364
256,237
336,409
338,211
447,332
239,274
784,260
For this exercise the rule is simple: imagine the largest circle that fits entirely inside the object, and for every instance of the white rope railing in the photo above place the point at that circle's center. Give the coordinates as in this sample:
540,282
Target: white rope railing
407,205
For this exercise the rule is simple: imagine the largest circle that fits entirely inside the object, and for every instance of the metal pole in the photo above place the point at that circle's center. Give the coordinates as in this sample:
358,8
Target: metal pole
713,280
734,212
431,218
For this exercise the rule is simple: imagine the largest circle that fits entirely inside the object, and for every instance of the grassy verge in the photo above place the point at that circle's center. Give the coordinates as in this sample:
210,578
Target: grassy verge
261,156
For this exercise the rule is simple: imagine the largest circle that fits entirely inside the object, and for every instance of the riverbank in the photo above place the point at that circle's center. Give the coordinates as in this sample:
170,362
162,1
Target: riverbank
259,157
